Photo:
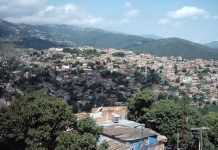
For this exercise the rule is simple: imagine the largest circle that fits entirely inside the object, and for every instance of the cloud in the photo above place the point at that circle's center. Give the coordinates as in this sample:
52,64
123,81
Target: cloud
38,12
187,12
20,2
63,14
128,4
132,13
69,14
9,8
179,16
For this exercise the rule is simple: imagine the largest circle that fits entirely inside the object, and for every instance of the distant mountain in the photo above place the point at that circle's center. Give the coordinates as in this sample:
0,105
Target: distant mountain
44,36
71,35
213,44
14,35
151,36
176,47
8,29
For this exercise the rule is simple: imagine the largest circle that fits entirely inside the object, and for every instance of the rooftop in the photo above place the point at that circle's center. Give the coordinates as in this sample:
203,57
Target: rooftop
124,133
124,122
116,108
113,144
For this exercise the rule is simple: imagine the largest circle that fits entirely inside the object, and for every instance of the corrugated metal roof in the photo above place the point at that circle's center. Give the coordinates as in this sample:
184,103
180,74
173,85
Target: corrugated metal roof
126,133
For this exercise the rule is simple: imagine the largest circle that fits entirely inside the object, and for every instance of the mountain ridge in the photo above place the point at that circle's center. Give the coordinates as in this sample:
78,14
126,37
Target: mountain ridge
213,44
176,47
45,36
152,36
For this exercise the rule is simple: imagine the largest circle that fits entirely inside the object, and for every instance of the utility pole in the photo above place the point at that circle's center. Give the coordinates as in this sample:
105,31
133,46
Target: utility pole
177,139
200,129
183,125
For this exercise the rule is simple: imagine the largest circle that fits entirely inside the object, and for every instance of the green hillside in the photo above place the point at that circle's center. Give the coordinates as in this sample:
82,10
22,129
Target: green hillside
175,47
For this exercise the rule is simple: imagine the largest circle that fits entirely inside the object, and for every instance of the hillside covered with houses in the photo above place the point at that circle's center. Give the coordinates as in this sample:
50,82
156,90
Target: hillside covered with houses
87,77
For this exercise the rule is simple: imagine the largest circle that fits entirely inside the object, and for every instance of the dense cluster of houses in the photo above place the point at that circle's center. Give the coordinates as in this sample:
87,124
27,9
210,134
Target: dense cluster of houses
101,76
198,78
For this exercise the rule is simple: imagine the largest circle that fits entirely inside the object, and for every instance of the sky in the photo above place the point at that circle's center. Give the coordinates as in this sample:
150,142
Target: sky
195,20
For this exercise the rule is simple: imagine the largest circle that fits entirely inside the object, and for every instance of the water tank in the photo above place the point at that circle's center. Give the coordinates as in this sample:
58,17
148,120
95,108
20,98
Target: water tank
116,118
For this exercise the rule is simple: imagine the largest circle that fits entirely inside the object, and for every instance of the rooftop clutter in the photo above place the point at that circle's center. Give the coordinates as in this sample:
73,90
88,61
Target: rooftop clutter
124,134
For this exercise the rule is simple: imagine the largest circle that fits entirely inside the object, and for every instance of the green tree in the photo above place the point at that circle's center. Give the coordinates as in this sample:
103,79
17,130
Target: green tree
165,115
152,77
184,70
212,122
162,95
35,121
139,105
195,119
168,119
88,142
75,141
139,76
178,80
118,54
200,76
39,121
88,125
68,141
103,146
108,59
